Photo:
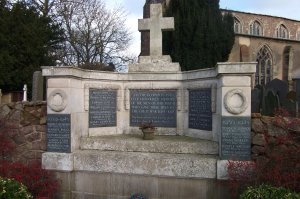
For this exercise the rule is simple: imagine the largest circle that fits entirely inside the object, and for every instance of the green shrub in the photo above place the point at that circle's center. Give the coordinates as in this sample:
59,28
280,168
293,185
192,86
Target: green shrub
268,192
12,189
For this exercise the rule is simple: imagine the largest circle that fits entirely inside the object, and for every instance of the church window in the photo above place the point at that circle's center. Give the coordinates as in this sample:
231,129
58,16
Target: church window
237,26
282,32
264,66
256,29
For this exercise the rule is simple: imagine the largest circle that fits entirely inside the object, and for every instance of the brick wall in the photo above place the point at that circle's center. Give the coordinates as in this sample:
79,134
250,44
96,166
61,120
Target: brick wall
269,23
24,124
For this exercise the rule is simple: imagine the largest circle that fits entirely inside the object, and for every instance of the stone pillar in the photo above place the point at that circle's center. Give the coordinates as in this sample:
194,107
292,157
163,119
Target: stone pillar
234,110
37,86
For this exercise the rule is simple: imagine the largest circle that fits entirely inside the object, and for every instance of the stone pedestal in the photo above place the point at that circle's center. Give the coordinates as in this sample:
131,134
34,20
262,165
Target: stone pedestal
154,64
234,106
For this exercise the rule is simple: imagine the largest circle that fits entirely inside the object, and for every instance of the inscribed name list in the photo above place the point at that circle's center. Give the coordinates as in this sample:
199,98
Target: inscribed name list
200,114
102,108
236,138
158,107
58,133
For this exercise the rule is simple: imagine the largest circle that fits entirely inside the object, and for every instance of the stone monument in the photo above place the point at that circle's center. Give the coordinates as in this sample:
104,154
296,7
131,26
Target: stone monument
93,135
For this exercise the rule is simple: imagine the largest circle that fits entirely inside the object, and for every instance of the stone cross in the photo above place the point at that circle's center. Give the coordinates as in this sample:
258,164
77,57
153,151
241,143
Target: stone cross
156,24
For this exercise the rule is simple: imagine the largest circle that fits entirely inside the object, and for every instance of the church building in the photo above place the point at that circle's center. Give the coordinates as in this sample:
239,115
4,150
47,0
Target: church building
273,42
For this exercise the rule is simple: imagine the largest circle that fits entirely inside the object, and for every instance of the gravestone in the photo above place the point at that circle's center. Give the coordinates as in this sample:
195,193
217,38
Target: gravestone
59,133
200,114
236,138
256,100
37,86
270,103
281,88
102,108
158,107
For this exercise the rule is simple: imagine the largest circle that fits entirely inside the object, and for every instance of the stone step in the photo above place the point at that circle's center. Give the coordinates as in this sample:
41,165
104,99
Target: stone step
161,144
154,164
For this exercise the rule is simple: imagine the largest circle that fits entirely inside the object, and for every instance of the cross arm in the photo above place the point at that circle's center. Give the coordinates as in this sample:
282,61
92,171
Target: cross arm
167,23
144,24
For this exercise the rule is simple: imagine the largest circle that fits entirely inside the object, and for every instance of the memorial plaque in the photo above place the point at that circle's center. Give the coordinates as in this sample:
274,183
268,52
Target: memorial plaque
158,107
200,114
59,133
236,138
102,108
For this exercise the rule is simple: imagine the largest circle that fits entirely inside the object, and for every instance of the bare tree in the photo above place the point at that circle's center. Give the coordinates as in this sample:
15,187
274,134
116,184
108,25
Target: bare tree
94,34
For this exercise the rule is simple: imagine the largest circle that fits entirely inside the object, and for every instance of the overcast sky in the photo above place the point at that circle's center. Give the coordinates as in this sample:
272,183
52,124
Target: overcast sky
282,8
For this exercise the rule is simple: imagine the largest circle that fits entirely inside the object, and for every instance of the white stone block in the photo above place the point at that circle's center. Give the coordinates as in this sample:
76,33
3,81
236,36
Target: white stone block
222,169
58,161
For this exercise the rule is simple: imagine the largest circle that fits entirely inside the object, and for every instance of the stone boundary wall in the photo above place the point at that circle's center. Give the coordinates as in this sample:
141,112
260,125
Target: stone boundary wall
263,129
25,125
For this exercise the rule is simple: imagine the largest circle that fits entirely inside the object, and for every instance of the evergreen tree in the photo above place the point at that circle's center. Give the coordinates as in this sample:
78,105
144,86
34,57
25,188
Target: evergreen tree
27,41
202,36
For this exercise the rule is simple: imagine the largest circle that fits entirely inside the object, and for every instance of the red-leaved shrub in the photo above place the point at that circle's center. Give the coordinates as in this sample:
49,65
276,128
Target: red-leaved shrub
40,183
279,166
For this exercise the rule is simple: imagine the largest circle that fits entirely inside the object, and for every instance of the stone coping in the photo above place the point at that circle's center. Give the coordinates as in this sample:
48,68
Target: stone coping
210,73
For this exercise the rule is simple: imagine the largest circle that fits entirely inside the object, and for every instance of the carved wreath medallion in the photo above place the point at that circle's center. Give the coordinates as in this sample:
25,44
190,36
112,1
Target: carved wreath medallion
57,100
235,101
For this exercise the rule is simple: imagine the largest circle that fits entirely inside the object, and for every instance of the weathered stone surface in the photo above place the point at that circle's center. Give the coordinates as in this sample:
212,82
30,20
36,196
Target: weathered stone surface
255,115
161,144
19,106
4,111
19,139
58,161
37,145
33,137
12,132
41,128
275,130
267,119
222,169
258,149
22,131
155,164
15,115
27,130
257,126
30,118
154,67
43,120
259,140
